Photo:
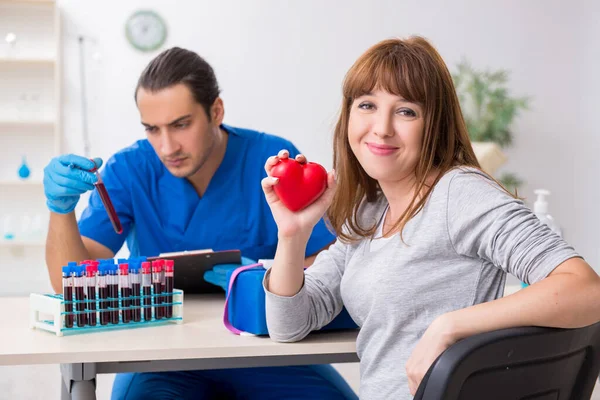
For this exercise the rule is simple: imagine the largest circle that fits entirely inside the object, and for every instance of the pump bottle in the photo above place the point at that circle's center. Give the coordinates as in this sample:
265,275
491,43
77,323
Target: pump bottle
540,208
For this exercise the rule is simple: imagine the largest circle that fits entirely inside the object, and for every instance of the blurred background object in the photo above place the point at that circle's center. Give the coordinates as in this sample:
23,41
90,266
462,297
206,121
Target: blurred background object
489,155
489,111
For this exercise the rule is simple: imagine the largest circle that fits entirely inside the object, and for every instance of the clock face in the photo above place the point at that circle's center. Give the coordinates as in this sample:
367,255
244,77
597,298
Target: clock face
146,30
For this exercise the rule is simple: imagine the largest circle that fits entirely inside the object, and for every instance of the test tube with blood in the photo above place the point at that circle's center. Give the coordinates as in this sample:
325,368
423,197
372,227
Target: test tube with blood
134,279
108,205
113,293
103,295
147,290
79,295
125,286
157,285
163,299
68,295
169,278
90,284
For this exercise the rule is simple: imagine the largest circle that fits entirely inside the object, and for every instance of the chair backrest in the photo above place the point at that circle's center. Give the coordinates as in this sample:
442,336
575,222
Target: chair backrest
528,363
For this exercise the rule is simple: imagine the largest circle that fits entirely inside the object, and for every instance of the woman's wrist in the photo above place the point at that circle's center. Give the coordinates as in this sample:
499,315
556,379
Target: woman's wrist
446,327
297,240
287,271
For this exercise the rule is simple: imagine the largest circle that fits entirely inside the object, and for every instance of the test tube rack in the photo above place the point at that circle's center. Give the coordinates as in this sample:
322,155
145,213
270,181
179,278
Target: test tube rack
47,312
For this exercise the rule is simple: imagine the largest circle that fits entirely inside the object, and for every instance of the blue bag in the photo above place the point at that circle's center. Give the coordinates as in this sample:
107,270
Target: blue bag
245,305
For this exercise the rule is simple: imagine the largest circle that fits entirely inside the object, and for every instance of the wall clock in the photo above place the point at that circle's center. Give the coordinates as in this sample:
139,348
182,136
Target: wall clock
146,30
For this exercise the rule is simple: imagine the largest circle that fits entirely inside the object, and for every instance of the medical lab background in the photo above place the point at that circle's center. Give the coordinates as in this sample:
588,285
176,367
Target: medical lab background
68,70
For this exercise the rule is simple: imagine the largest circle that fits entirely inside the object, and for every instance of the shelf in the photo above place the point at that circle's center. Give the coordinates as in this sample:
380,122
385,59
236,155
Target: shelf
30,61
20,243
48,2
21,183
26,123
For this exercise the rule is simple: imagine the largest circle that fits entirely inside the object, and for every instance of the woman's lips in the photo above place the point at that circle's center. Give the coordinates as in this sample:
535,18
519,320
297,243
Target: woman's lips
381,149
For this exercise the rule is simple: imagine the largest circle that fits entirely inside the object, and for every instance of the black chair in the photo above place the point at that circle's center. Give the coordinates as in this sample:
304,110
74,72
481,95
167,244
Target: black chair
528,363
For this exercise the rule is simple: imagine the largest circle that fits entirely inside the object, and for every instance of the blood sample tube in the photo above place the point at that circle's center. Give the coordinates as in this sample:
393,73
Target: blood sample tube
157,286
79,295
147,290
95,264
103,295
68,295
163,299
108,205
90,285
169,278
135,279
113,293
125,286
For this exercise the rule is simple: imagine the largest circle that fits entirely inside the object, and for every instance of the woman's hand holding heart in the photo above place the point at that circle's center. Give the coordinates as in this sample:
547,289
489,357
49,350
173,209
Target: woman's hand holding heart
298,192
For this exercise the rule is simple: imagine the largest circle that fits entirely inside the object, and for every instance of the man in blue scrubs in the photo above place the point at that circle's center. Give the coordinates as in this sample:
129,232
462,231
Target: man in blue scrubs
194,183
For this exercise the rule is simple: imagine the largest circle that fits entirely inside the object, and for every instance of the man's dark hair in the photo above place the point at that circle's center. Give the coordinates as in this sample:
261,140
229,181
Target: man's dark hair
177,65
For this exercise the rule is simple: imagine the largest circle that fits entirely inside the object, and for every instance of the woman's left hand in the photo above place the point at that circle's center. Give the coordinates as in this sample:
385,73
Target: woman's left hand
436,339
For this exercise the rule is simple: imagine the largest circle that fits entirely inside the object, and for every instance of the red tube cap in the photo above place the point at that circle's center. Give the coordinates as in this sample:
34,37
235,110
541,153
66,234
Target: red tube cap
146,267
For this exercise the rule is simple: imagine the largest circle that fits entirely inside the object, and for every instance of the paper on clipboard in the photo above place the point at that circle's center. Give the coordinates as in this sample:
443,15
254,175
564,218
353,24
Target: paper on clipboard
185,253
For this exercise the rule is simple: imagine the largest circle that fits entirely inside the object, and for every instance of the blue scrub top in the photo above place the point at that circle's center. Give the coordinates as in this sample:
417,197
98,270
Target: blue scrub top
162,213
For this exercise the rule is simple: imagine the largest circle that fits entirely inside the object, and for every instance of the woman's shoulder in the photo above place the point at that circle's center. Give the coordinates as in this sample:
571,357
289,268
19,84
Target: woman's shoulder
464,177
470,185
465,172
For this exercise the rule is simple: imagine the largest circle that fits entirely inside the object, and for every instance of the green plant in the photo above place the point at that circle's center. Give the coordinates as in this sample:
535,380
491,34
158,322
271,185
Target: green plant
511,182
488,108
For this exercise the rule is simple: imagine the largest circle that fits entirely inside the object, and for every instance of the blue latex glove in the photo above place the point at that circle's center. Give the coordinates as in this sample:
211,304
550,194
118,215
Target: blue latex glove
67,177
218,274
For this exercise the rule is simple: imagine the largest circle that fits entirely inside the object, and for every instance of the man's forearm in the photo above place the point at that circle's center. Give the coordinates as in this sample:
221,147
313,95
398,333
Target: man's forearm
63,244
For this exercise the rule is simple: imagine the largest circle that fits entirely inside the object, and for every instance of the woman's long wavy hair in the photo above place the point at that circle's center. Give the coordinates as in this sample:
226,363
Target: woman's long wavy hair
414,70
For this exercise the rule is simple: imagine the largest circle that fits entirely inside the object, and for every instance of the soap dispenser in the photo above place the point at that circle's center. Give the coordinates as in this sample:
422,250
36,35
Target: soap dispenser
540,208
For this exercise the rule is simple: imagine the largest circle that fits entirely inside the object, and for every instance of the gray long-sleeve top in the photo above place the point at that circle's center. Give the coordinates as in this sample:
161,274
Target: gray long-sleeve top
457,252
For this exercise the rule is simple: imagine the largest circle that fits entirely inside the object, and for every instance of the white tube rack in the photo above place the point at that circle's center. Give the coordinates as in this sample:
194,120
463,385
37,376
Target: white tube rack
47,312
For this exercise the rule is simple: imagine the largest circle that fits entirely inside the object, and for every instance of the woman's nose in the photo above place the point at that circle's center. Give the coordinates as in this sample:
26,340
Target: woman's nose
383,125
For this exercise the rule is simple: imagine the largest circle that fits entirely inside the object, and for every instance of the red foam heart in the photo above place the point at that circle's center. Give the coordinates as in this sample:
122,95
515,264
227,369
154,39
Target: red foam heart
299,184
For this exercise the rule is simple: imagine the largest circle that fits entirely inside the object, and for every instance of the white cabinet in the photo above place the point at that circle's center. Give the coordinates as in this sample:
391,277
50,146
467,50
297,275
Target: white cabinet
30,124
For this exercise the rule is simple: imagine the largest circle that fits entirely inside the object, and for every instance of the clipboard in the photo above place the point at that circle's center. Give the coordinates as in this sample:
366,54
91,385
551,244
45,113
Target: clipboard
191,265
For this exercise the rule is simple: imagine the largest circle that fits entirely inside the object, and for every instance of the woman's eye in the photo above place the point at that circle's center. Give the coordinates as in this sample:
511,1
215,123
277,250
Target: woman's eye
407,112
366,106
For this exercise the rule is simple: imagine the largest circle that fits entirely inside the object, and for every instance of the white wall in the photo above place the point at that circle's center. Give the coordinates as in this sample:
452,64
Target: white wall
587,192
280,65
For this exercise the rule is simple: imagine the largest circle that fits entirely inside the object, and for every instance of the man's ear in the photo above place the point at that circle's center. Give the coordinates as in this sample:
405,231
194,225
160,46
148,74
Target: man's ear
217,111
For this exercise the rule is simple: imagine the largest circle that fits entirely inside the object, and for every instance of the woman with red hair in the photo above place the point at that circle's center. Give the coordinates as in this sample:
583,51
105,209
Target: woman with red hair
425,238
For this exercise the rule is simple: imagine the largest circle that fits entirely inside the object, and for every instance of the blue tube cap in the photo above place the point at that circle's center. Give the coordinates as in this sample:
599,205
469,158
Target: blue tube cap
134,267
